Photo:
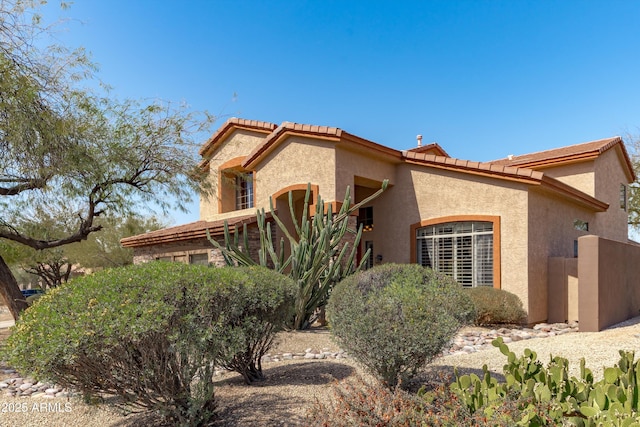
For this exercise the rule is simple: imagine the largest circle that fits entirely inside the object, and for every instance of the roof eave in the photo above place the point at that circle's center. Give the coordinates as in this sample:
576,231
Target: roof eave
231,125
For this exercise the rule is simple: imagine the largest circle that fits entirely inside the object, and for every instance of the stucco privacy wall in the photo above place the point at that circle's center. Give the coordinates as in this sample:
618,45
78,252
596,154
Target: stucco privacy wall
238,144
609,282
563,285
552,234
431,193
297,160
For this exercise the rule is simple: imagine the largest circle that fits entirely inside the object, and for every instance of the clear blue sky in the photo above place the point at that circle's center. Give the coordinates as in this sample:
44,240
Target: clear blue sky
482,78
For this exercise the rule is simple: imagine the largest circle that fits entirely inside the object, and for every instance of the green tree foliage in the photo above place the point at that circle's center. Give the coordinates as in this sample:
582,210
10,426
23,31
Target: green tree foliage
395,318
319,257
64,145
150,335
54,266
633,204
103,250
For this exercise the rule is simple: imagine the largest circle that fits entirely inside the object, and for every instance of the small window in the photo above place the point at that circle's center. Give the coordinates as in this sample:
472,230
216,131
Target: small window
164,258
365,218
244,191
199,259
623,197
368,246
581,225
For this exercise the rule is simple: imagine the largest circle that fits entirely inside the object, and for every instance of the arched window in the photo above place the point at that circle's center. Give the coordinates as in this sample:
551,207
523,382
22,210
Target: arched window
462,250
236,186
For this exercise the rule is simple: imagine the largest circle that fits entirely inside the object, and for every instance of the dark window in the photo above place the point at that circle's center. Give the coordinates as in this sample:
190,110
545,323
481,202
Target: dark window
578,224
368,246
365,218
200,259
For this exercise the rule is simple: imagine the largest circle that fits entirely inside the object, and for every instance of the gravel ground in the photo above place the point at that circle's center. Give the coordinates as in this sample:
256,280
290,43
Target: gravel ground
292,387
599,349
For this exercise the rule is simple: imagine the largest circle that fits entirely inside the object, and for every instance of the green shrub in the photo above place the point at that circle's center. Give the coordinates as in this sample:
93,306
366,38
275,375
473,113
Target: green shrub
495,306
396,318
152,334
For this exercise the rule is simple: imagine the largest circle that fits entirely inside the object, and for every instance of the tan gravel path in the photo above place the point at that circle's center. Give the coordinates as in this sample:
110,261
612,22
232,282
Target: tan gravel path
599,349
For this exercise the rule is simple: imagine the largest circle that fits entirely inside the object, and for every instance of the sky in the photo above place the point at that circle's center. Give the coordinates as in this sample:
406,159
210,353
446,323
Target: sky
484,79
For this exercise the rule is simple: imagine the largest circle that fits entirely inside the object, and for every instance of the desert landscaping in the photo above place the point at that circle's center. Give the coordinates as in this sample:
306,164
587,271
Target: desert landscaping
294,382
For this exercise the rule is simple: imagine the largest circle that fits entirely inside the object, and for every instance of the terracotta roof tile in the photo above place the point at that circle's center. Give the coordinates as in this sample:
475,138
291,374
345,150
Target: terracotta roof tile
501,171
326,132
592,147
572,153
235,123
432,148
192,230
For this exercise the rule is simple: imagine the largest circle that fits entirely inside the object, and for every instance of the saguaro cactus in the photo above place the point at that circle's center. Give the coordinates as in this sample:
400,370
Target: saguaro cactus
318,256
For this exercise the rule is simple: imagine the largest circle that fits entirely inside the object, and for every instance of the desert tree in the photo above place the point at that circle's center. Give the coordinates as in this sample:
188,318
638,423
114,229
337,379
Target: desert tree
55,266
65,145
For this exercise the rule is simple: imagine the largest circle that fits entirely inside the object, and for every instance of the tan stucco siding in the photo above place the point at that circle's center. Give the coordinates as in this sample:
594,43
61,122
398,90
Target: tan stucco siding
350,164
551,234
239,144
579,175
297,160
612,224
425,194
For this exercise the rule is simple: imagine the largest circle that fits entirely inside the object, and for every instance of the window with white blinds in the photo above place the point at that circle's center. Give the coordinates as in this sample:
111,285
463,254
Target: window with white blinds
462,250
244,191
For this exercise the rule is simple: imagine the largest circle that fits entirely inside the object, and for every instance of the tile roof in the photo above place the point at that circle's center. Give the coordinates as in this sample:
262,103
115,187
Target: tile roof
323,132
433,148
505,172
572,153
190,231
231,125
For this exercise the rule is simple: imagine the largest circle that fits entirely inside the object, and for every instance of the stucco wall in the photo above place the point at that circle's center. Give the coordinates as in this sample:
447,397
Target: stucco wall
578,175
240,143
297,160
551,234
428,193
351,163
609,284
612,224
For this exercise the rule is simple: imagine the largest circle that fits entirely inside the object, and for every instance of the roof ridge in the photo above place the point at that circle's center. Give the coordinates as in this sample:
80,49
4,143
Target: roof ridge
610,141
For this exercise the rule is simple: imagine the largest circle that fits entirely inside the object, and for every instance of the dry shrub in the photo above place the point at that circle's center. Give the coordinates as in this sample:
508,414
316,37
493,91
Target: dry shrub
496,306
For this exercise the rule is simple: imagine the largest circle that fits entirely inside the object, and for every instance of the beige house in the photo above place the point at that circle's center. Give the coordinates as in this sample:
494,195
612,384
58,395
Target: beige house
487,224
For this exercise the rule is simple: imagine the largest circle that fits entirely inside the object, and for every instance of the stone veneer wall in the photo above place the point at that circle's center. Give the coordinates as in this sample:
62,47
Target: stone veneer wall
180,251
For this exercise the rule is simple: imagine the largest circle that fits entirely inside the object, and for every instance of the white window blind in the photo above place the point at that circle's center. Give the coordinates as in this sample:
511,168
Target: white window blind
244,191
462,250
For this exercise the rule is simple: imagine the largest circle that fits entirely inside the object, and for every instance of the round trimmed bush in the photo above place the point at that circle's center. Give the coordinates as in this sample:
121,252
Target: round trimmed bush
395,318
152,334
496,306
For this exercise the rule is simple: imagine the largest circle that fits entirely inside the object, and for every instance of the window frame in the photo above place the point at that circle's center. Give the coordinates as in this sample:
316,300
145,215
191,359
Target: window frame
227,191
244,197
495,220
